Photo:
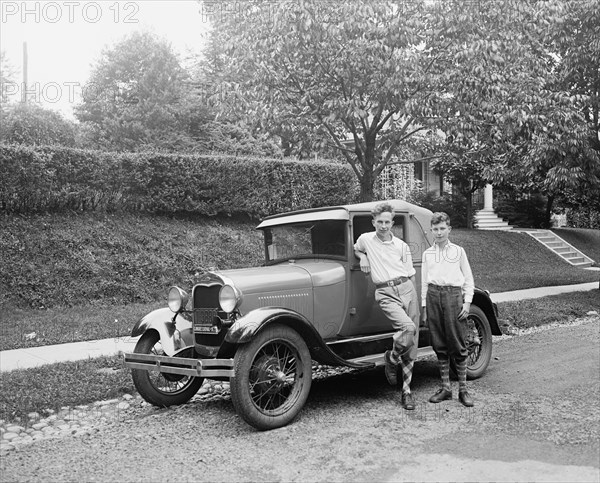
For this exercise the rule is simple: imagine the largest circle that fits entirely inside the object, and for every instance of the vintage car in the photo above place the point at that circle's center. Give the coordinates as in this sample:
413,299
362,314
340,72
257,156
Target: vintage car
260,328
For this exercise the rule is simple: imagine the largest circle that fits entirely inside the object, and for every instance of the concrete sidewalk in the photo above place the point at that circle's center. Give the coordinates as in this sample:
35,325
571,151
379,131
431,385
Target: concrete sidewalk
534,293
39,356
73,351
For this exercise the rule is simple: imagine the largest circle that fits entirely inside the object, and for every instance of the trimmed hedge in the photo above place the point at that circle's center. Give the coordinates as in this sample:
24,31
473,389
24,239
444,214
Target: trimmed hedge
46,179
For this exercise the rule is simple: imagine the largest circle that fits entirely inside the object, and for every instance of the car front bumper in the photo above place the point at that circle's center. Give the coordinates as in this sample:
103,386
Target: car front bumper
209,368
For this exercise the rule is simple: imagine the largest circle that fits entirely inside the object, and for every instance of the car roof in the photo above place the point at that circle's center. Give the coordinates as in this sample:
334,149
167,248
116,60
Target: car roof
343,212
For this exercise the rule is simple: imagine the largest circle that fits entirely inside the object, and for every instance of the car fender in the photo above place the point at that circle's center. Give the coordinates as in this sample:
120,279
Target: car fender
246,327
482,299
173,336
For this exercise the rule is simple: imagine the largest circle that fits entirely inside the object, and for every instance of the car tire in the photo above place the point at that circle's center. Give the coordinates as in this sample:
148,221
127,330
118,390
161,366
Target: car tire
273,375
479,344
162,389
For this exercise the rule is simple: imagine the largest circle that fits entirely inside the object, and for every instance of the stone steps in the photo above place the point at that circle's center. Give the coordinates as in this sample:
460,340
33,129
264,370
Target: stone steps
559,246
489,220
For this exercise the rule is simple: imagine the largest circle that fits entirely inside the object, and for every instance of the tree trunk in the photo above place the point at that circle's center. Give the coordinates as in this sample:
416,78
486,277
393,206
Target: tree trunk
548,215
367,181
366,186
469,200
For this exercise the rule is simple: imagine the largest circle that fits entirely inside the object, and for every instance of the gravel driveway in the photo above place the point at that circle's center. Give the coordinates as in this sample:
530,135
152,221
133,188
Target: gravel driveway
536,418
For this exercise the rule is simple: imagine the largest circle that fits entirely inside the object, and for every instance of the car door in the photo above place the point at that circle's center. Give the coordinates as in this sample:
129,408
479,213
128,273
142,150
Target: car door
365,316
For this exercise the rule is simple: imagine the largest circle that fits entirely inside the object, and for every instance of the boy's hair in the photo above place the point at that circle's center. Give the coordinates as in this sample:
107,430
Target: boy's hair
440,217
382,208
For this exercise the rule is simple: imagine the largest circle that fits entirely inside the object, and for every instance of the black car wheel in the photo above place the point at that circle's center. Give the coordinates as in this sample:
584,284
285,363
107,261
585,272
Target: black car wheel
272,378
478,337
162,389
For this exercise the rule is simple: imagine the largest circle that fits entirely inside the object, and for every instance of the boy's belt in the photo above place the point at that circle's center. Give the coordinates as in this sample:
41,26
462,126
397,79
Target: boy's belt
391,283
444,287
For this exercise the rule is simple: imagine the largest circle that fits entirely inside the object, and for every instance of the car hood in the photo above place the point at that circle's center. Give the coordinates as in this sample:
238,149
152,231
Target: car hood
286,276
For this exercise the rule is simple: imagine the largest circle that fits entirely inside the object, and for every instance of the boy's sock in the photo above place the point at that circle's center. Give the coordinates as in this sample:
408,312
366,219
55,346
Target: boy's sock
444,365
461,370
407,368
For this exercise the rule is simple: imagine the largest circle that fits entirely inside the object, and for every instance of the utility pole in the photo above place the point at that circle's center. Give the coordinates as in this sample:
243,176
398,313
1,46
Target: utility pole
24,91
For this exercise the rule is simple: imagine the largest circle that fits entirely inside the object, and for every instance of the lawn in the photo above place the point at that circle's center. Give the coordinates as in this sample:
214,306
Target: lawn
546,310
64,384
21,328
586,240
503,261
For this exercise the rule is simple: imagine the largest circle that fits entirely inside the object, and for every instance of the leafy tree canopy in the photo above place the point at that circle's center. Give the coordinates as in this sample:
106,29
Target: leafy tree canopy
138,98
370,75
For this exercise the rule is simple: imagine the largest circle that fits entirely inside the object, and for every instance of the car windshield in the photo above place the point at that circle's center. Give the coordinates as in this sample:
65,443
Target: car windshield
324,239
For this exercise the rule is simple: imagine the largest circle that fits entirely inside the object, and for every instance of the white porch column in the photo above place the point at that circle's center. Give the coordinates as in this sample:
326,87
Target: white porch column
488,198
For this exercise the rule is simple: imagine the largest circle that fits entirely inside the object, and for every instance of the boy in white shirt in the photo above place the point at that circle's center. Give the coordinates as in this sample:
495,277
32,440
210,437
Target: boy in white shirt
389,261
446,294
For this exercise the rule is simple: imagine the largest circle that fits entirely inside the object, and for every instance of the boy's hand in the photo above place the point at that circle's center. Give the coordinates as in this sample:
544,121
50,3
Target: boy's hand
365,266
464,313
423,314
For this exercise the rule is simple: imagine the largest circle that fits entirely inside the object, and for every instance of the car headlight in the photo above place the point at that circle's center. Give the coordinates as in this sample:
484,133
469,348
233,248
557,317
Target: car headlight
229,298
177,299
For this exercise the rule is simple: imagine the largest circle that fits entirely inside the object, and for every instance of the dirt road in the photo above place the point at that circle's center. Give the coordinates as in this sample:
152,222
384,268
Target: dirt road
536,418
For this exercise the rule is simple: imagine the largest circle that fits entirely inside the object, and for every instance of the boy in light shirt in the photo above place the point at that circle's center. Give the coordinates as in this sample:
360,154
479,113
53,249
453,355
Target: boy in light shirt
446,294
389,262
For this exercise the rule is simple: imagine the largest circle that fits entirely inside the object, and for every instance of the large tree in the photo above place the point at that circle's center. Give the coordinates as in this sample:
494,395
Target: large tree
556,152
370,75
138,97
577,39
578,71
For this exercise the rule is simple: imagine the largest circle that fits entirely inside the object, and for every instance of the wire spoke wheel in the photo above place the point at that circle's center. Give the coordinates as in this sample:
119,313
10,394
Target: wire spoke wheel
159,388
275,377
478,337
473,339
272,377
168,384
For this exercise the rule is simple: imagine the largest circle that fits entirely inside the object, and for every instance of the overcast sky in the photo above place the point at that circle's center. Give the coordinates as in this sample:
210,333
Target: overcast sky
64,38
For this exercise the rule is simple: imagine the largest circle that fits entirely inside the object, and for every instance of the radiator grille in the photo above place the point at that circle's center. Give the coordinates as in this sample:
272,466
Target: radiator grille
206,297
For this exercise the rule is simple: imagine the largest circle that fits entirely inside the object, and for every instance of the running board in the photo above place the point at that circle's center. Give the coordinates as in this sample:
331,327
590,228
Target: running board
364,338
378,359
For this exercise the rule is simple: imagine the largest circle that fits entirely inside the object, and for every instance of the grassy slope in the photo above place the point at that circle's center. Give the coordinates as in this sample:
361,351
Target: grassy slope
586,240
504,261
82,259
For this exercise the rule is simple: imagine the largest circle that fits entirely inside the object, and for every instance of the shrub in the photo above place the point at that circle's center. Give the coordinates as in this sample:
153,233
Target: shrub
524,211
56,179
583,217
454,205
30,124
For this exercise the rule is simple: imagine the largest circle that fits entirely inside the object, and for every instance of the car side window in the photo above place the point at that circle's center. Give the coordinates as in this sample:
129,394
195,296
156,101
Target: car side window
306,240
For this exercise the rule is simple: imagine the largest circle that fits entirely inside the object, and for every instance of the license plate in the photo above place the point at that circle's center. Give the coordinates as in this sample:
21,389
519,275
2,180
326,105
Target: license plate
206,321
208,329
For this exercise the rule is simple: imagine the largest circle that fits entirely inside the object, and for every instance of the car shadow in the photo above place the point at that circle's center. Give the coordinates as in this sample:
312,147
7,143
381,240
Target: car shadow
368,384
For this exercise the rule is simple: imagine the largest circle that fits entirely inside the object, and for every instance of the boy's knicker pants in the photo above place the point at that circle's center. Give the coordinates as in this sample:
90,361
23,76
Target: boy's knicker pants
447,332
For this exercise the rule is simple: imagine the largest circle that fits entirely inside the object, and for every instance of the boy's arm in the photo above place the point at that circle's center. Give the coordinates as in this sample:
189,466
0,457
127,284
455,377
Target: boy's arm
365,266
360,252
409,263
468,287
